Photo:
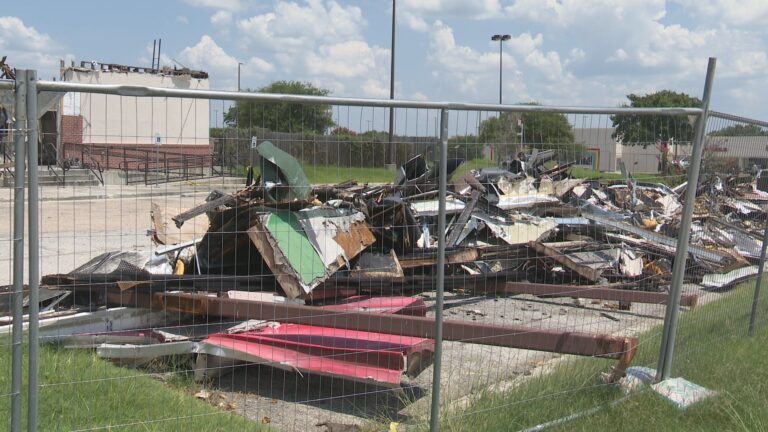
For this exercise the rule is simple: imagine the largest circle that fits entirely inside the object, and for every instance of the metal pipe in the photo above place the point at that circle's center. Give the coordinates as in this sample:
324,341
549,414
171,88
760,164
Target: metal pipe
726,116
664,368
18,249
144,91
758,283
34,249
392,150
434,417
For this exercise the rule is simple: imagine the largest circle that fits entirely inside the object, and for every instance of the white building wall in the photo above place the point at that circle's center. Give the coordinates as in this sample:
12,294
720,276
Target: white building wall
112,119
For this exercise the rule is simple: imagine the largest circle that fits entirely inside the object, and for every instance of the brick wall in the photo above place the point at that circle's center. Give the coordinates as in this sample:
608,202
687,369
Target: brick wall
72,129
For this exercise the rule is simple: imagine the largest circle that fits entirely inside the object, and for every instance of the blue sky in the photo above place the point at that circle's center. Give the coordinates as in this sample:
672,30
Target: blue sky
565,52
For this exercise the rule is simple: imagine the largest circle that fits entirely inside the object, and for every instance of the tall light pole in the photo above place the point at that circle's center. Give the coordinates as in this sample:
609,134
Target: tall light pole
238,75
501,39
392,152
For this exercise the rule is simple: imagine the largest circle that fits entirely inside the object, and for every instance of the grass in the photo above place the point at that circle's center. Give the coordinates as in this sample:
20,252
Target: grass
325,174
80,391
331,174
713,350
585,173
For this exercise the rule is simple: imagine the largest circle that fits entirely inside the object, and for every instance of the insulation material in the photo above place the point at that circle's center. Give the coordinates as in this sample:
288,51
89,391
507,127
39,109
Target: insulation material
521,231
167,233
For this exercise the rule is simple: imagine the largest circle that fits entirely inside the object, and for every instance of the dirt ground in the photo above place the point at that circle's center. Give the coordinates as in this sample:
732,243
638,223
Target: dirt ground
73,231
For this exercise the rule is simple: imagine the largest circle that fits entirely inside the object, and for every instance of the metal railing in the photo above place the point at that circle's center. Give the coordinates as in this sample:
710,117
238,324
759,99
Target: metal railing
61,179
93,165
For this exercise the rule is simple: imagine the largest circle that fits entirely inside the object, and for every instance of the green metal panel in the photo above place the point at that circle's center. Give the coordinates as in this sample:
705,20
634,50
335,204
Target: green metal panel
280,167
285,228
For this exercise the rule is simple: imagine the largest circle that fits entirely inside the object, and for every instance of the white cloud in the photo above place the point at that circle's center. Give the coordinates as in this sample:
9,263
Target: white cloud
320,42
14,34
736,12
419,96
618,56
375,88
345,60
413,21
257,65
222,67
221,18
27,48
477,9
292,28
228,5
181,19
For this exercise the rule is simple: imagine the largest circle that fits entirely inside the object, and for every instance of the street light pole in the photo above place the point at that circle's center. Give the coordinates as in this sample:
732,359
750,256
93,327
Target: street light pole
238,75
392,152
501,39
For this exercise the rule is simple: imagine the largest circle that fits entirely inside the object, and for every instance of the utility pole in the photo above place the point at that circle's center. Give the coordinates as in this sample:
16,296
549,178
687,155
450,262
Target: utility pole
392,150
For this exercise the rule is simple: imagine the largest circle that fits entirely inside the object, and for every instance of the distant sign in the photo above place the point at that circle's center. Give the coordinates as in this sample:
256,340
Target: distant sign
253,142
158,139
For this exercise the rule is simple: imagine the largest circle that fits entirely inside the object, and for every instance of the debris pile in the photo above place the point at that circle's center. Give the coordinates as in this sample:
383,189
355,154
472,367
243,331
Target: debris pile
299,274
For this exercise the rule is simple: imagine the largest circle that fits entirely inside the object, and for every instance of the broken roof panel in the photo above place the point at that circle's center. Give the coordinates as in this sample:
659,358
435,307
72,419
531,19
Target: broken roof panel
280,168
303,248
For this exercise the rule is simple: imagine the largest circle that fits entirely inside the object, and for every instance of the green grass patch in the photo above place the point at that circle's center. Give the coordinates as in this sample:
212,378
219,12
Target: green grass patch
585,173
81,391
325,174
712,350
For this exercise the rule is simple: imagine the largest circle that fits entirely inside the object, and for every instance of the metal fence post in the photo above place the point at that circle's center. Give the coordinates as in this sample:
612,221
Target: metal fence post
34,248
666,352
20,94
758,283
434,418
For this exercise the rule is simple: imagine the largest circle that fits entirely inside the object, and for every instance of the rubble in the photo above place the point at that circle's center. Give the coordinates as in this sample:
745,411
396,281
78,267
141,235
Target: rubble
327,274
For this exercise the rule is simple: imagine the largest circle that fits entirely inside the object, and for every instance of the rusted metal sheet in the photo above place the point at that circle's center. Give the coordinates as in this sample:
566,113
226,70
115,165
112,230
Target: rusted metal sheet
610,292
565,342
592,274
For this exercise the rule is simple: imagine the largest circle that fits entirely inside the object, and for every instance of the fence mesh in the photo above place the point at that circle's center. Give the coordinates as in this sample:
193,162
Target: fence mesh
274,264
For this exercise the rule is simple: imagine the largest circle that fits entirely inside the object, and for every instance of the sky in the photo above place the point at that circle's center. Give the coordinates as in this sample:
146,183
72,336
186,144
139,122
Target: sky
562,52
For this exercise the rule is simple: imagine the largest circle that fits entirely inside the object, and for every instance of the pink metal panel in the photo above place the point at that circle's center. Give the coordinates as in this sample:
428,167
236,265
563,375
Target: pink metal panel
357,355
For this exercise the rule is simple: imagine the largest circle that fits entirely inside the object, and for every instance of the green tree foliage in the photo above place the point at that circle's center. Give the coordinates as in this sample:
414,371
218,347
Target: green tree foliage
649,129
283,117
466,147
741,130
541,131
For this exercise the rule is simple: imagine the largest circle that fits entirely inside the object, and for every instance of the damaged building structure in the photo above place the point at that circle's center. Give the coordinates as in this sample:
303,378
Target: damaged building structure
319,278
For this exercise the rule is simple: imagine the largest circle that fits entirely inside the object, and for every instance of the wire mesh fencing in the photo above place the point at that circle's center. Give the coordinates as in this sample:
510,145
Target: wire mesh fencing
212,259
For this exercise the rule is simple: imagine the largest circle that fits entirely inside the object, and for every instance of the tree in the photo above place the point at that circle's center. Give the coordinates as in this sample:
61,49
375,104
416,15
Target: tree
539,130
283,117
632,129
644,130
741,130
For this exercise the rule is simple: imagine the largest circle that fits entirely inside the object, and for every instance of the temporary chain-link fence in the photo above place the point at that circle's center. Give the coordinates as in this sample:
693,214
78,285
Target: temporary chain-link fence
290,260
